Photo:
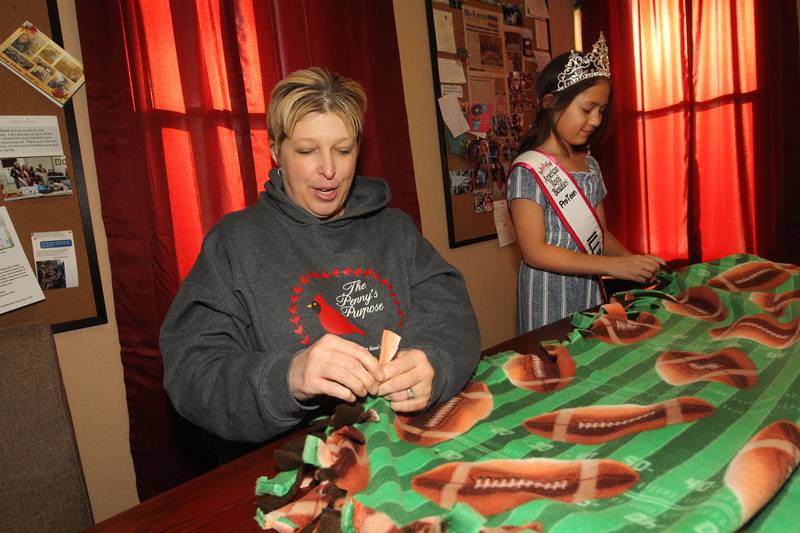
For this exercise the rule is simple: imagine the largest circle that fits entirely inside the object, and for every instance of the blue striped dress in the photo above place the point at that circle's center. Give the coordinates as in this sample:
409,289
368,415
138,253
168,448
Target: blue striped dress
544,297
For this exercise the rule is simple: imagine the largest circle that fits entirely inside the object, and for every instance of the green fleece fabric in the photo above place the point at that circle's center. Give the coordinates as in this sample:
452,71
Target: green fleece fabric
700,449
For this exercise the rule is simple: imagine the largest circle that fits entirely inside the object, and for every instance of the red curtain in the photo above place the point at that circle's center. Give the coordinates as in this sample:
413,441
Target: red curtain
705,144
178,92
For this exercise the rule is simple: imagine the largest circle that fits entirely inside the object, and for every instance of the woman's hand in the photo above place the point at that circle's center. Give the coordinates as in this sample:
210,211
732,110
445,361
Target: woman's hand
639,268
409,370
336,367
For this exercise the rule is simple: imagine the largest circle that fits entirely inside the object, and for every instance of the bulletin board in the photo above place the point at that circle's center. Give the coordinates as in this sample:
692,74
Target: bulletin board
485,57
63,308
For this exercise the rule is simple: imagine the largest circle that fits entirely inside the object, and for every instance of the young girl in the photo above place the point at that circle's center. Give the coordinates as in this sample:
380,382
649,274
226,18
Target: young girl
556,192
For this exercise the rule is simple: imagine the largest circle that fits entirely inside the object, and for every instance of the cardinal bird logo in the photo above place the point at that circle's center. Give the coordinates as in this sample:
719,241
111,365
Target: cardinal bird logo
331,319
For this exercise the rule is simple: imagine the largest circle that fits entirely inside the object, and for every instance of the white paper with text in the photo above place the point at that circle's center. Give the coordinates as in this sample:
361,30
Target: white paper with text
18,286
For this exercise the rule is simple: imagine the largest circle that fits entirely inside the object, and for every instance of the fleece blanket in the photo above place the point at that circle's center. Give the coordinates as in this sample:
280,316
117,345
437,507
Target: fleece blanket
674,409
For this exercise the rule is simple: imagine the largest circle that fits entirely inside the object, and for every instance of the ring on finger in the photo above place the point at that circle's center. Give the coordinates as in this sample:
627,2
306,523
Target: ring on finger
410,393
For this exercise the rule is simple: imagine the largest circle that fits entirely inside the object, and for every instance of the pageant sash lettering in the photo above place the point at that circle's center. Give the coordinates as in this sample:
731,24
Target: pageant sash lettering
567,199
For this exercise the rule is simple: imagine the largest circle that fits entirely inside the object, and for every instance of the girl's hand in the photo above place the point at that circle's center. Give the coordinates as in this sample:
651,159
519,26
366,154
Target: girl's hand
410,369
638,268
336,367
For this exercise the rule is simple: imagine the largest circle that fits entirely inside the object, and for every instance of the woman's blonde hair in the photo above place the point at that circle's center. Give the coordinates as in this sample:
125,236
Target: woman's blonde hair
315,90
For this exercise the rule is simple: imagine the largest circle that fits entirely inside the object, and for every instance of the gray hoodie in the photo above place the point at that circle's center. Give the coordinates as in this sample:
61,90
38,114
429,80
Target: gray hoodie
271,279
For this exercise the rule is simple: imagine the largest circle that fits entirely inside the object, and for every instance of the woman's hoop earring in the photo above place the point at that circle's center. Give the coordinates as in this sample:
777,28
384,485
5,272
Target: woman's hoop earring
280,172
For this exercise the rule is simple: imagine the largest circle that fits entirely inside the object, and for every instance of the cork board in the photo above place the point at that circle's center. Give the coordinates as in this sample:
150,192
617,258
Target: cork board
499,70
63,308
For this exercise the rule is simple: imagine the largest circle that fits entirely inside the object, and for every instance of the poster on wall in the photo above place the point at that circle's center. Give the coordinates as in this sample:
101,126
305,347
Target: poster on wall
18,286
32,158
48,68
54,257
482,29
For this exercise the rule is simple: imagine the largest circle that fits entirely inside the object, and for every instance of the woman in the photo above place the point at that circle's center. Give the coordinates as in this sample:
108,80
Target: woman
26,180
16,174
287,302
41,174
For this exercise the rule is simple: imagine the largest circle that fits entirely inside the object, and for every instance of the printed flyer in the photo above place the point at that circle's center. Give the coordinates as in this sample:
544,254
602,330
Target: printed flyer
54,255
483,37
18,286
33,162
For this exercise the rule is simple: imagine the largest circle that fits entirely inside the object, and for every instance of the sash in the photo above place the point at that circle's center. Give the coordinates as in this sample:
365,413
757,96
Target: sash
568,201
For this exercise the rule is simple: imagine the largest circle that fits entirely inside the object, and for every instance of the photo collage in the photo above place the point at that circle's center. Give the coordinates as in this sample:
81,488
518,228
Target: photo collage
498,99
42,63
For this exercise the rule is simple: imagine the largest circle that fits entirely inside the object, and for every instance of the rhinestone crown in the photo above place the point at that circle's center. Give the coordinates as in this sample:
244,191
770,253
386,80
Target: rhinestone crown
582,67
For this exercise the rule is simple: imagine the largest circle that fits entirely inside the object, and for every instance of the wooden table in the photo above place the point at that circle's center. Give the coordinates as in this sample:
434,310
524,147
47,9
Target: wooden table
224,499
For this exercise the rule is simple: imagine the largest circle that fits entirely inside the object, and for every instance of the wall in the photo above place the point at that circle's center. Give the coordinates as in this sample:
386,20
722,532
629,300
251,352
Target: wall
490,271
90,357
